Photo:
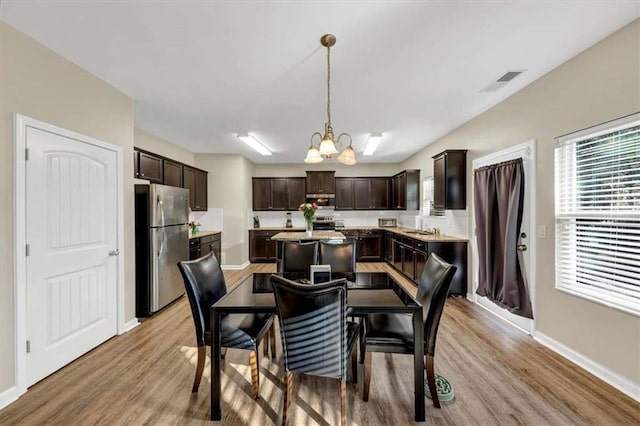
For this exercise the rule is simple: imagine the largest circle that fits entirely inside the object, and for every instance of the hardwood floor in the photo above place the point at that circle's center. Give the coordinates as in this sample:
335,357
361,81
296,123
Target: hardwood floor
500,376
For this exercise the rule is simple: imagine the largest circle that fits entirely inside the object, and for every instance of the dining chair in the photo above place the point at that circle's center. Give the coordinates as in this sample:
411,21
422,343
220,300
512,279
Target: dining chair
316,337
394,332
341,256
205,285
298,256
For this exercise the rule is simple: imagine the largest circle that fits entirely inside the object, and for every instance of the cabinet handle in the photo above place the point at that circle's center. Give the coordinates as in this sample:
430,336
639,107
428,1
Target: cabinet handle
141,174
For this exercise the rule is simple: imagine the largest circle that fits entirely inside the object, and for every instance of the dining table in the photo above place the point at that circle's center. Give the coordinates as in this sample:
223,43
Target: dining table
367,293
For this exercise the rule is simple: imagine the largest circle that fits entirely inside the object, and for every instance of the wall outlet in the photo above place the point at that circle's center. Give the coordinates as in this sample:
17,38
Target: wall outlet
542,231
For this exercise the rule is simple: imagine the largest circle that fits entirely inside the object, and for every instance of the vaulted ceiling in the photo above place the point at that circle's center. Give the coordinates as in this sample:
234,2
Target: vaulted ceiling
200,72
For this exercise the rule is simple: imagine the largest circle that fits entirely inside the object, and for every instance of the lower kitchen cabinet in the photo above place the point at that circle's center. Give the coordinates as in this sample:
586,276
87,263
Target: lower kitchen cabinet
370,246
201,246
262,249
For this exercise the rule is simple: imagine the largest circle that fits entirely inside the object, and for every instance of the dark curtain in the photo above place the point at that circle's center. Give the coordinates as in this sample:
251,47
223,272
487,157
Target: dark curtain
499,200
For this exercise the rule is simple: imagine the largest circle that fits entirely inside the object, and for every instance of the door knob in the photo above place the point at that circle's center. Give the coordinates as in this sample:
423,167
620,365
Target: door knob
114,252
522,247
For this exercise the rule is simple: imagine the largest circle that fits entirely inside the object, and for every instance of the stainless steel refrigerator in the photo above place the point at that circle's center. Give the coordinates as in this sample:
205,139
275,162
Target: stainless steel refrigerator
162,240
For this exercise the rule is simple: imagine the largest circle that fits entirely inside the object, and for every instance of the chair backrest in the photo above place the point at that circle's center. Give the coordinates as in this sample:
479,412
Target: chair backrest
298,257
205,285
341,256
313,326
432,294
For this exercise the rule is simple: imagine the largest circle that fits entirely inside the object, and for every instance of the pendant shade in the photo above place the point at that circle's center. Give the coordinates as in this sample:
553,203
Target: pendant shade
348,156
327,148
313,156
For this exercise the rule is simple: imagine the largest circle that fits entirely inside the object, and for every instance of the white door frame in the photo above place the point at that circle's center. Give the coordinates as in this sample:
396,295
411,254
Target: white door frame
21,123
528,147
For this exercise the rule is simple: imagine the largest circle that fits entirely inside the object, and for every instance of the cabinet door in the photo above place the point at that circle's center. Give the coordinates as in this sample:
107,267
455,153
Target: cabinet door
407,262
150,167
321,182
362,193
278,194
172,173
419,260
216,247
296,193
261,194
205,248
344,194
380,193
388,249
201,191
439,182
371,248
189,182
397,255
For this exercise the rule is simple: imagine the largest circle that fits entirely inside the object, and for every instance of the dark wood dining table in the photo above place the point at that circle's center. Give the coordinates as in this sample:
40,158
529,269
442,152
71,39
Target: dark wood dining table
368,292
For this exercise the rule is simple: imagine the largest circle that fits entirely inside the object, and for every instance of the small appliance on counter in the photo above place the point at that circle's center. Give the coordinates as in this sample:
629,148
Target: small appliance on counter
339,225
288,224
256,222
387,222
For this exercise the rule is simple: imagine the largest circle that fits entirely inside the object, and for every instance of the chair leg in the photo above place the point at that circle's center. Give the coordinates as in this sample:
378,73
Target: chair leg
202,354
255,373
343,403
431,380
272,339
367,376
354,365
288,394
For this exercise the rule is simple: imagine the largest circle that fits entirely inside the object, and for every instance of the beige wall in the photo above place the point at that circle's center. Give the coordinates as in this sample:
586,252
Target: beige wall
149,142
38,83
229,186
598,85
360,169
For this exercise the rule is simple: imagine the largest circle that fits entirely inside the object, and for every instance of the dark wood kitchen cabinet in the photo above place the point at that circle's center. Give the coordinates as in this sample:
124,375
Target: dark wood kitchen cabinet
370,246
262,249
406,190
196,182
344,194
380,193
296,193
362,193
201,246
321,182
150,167
277,193
172,173
450,180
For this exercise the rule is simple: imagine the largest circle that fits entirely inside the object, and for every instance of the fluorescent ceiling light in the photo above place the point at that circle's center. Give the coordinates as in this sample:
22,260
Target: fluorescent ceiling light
372,143
253,143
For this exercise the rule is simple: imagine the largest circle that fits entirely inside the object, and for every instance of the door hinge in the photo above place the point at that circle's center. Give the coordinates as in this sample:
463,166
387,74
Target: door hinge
28,346
26,154
26,250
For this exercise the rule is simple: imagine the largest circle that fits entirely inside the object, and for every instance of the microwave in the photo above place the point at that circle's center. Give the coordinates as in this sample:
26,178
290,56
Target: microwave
323,201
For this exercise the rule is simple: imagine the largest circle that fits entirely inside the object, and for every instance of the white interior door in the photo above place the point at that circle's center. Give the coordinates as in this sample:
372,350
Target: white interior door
526,151
71,232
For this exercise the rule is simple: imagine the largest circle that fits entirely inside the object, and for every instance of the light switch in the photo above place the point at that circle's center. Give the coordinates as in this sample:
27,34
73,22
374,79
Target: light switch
542,231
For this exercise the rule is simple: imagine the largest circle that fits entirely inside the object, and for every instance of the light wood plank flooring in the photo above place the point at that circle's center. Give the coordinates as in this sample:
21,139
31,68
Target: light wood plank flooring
500,376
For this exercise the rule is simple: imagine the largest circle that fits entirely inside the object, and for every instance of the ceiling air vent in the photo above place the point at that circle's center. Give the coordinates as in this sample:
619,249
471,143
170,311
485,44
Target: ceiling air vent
502,80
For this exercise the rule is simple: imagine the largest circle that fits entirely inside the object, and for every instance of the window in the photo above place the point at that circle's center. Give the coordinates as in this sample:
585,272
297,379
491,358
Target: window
427,198
597,210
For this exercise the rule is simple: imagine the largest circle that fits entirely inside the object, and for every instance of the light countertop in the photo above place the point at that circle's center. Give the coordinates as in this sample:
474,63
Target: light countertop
316,235
203,234
399,230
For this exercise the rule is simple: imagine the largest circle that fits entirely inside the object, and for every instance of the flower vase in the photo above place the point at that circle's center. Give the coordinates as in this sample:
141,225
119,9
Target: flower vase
309,229
194,230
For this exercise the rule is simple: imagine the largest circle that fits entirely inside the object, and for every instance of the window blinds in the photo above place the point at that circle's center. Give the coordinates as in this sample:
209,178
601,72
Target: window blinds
597,189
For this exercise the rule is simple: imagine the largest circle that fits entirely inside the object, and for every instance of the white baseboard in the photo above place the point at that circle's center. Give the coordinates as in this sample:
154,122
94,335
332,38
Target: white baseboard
130,325
8,396
235,267
616,380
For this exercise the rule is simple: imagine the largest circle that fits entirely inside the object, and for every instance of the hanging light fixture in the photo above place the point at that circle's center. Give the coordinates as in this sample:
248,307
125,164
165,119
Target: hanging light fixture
328,145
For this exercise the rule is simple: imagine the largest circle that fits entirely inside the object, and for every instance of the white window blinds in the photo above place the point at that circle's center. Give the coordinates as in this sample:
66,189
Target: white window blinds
597,190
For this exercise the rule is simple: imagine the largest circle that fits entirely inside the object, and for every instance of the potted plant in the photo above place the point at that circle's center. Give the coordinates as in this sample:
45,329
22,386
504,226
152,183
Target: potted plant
308,211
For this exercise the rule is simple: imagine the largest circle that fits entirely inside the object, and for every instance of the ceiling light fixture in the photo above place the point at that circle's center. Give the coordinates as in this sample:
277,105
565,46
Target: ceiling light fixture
253,143
372,143
328,146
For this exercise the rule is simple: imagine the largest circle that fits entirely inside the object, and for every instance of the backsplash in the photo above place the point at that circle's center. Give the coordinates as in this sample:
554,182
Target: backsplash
351,218
454,223
211,220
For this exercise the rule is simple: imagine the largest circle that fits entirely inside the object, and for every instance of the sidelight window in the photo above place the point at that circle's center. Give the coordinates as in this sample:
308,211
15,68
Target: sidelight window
597,211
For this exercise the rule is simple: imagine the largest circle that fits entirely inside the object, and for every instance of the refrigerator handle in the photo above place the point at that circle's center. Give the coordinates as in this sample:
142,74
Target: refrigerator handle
161,208
161,245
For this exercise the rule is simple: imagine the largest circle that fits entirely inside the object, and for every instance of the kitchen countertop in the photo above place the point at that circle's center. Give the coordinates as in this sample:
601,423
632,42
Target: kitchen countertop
203,234
399,230
316,235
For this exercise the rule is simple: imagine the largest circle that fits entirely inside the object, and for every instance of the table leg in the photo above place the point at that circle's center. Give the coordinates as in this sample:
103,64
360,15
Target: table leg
418,364
216,409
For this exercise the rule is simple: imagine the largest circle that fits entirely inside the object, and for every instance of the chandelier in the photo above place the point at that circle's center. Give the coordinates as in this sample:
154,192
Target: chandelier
328,145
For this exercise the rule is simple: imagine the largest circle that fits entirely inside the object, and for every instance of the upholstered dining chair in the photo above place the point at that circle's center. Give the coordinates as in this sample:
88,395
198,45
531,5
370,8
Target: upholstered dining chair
341,256
316,337
205,285
394,332
298,257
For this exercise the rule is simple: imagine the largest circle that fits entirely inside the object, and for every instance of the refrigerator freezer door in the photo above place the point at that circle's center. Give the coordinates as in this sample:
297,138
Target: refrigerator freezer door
169,246
169,205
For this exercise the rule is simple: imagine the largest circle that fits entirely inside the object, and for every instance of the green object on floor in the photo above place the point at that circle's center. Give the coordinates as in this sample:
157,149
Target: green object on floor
444,388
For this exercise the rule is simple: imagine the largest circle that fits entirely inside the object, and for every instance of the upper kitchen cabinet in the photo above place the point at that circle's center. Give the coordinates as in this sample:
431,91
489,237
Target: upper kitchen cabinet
278,193
296,193
344,194
150,167
406,190
321,182
450,180
371,193
196,182
172,173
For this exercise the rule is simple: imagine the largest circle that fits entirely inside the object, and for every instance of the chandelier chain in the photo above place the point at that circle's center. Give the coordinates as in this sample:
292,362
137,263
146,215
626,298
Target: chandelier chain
329,84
